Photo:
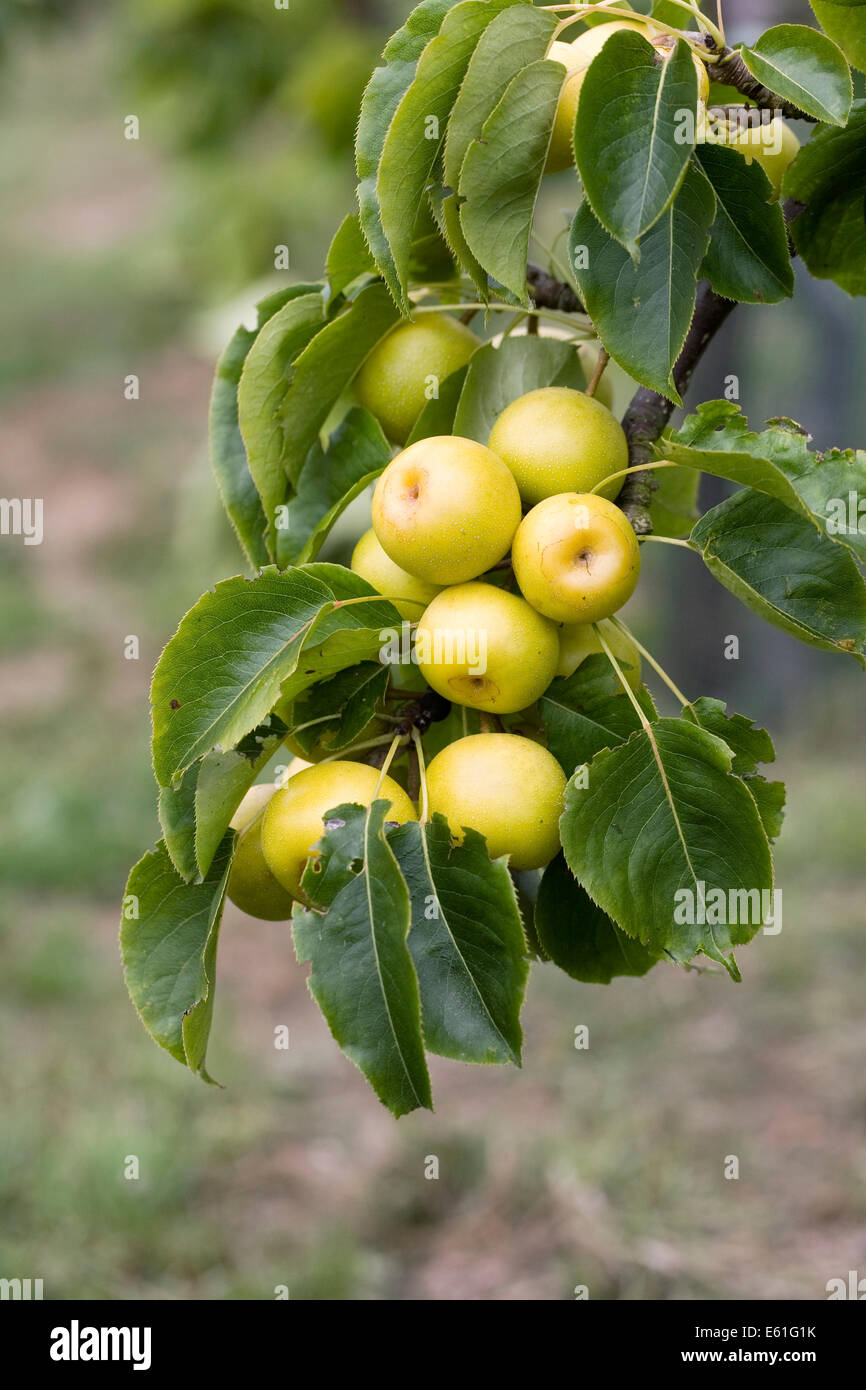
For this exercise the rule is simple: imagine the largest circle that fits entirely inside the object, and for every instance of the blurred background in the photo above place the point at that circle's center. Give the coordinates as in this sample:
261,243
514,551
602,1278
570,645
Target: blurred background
602,1167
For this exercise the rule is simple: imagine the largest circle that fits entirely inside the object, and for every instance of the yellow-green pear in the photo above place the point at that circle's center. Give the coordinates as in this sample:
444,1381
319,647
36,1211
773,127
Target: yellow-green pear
484,647
577,641
576,558
294,817
557,440
508,788
772,143
251,886
446,509
371,563
406,369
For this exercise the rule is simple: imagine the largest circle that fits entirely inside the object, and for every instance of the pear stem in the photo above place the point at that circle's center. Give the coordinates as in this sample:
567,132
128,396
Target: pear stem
603,359
359,748
633,468
395,744
666,540
621,677
422,773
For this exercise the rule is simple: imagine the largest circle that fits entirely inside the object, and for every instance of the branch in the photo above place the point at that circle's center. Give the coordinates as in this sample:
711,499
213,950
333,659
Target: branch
728,67
549,293
649,412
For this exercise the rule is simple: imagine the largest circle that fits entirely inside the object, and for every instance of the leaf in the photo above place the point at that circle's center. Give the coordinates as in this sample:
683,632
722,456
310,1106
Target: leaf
325,368
228,456
348,255
382,96
589,710
845,22
262,391
502,172
803,67
769,798
578,937
674,505
829,175
437,417
642,312
346,633
169,951
330,479
748,258
785,570
513,39
415,135
220,675
716,439
333,713
466,941
195,814
748,744
661,824
498,375
362,974
632,146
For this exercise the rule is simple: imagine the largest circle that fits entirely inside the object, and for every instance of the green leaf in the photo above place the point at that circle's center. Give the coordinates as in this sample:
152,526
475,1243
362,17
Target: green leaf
416,134
437,417
748,258
748,744
661,824
220,675
262,391
228,456
829,175
514,39
381,99
168,940
330,479
325,368
769,798
498,375
578,937
642,312
785,570
632,145
502,172
333,713
466,941
716,439
674,505
362,974
845,22
348,255
803,67
345,634
589,710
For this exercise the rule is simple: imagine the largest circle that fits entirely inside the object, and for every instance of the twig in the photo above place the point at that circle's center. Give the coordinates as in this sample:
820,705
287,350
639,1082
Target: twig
649,412
550,293
728,67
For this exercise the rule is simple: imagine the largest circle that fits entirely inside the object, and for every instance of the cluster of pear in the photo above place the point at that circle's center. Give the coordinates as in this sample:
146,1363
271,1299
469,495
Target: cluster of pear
489,634
772,143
